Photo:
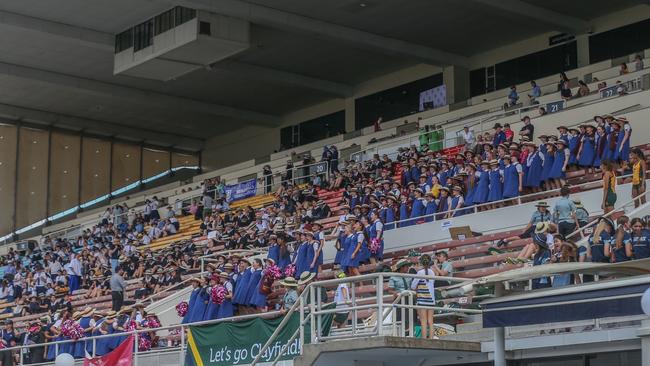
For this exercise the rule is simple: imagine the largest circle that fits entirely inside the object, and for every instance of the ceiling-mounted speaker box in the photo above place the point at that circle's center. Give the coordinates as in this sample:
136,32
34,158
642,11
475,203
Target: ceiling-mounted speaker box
177,42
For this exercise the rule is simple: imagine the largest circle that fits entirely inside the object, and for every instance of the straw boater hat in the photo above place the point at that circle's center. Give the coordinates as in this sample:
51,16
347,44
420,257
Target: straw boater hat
541,227
88,311
289,282
401,263
578,203
111,314
223,275
305,277
542,204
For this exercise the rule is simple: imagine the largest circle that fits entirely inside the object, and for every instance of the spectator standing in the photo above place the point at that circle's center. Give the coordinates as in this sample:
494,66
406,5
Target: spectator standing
468,138
624,70
118,288
583,90
267,176
528,130
565,213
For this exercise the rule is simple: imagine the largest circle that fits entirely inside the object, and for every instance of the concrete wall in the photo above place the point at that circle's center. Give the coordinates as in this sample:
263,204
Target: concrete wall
44,172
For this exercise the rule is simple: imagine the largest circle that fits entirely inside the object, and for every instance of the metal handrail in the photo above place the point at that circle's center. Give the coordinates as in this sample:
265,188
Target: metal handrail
309,290
392,142
580,230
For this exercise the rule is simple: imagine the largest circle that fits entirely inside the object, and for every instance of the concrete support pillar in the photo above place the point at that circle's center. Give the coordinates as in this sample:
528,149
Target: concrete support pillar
456,79
350,115
582,43
644,334
499,334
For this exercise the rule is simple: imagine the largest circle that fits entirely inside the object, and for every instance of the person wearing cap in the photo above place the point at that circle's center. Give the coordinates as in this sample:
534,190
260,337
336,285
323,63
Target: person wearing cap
587,150
541,214
602,235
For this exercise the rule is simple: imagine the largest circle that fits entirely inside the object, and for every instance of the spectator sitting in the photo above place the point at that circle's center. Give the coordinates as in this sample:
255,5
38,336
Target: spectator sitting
513,97
638,63
623,69
535,92
583,90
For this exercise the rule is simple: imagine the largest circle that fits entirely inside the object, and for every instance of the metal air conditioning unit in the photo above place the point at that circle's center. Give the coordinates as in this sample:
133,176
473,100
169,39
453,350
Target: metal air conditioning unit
177,42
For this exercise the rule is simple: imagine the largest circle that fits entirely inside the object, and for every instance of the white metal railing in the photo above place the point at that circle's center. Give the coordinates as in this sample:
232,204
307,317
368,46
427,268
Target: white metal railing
312,309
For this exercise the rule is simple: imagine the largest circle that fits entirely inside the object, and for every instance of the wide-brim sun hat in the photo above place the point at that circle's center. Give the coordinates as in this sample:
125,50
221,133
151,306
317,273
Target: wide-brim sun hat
289,282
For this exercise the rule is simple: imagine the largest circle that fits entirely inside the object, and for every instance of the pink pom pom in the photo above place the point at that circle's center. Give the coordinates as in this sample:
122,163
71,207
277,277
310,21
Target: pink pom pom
72,330
152,322
218,294
273,272
375,245
290,270
144,344
182,308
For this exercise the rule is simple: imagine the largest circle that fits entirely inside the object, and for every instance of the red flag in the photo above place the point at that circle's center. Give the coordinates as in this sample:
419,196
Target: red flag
121,356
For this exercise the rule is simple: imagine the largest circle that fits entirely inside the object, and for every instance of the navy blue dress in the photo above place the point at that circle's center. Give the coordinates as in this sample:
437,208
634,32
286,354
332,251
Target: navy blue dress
588,151
212,309
258,299
549,159
241,286
496,187
403,214
534,172
558,163
483,187
390,218
253,286
372,231
417,210
510,181
641,244
190,304
431,209
226,309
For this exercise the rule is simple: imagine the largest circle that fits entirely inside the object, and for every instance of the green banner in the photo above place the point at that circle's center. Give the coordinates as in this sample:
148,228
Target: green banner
238,343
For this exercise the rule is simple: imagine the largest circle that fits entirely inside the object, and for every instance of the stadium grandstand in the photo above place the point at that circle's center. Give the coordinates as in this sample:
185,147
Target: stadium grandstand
349,182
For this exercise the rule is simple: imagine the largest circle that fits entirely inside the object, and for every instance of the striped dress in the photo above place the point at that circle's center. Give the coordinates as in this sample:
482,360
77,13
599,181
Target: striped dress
424,289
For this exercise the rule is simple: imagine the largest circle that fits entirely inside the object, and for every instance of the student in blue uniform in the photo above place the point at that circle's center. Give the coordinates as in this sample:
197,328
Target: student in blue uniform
471,185
639,246
304,255
241,284
376,232
560,162
574,141
347,236
496,183
417,208
226,309
85,321
534,163
193,296
444,203
587,151
457,202
391,202
512,178
254,298
600,143
548,149
601,236
483,186
103,327
340,247
499,136
357,249
197,311
213,308
403,211
623,142
431,208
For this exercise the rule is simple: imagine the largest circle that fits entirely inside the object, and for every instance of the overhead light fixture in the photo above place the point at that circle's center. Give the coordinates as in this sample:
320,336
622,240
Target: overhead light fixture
363,5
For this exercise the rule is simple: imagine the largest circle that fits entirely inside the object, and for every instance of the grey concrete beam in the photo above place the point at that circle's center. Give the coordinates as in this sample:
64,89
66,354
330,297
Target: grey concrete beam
262,15
84,36
38,117
153,99
559,21
256,72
